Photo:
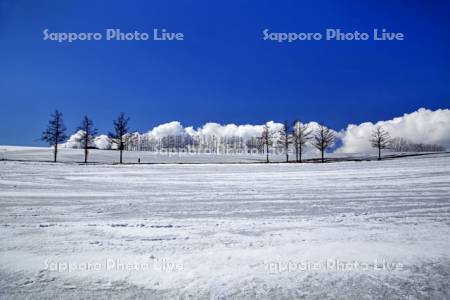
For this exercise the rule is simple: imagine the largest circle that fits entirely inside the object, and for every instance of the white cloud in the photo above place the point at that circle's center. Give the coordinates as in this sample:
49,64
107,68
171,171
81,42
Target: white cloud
171,128
75,141
102,142
421,126
211,129
229,130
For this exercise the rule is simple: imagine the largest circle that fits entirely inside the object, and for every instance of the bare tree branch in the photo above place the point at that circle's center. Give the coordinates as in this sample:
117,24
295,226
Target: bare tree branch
380,139
322,139
120,129
285,138
55,132
88,133
301,135
266,139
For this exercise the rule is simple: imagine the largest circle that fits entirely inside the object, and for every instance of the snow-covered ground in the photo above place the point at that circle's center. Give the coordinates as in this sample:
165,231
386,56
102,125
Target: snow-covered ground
348,230
67,155
112,156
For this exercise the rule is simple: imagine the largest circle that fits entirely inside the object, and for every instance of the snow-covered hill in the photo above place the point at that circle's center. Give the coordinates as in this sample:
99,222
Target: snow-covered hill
66,155
347,230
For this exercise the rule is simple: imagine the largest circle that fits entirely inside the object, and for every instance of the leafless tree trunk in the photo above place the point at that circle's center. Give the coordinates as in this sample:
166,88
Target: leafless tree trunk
88,133
301,135
323,138
120,129
380,139
266,139
285,139
55,132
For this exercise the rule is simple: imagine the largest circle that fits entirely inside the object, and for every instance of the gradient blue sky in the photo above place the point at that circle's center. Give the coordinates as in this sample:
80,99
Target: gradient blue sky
223,71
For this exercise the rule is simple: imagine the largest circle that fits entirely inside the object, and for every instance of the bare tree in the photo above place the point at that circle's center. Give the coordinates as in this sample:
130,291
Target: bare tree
380,139
323,138
88,133
266,139
301,135
285,138
55,132
120,129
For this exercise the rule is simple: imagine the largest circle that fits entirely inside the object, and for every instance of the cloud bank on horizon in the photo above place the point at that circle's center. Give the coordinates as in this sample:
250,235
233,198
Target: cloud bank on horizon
421,126
100,142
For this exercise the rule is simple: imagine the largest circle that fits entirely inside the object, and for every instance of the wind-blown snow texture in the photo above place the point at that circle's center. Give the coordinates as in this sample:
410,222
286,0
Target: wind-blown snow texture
226,230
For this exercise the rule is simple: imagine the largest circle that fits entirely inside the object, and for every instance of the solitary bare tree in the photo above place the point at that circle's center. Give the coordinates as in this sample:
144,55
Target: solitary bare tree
120,129
55,132
87,135
266,139
301,135
323,138
380,139
285,138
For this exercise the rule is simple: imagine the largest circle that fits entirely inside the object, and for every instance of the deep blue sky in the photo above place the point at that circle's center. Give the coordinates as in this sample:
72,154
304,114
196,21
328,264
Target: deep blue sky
223,71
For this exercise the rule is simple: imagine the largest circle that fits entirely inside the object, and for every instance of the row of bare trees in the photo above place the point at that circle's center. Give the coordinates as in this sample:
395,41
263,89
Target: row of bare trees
403,145
55,133
299,134
291,137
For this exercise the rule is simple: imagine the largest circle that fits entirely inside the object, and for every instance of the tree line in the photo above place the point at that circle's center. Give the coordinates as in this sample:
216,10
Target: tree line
298,135
290,138
55,133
